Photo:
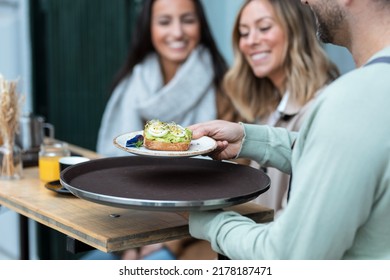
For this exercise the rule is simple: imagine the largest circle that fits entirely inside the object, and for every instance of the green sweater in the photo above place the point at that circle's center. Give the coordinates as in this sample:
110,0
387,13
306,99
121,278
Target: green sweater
340,194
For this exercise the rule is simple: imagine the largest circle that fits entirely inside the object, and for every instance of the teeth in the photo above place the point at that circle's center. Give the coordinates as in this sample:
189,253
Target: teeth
258,56
177,45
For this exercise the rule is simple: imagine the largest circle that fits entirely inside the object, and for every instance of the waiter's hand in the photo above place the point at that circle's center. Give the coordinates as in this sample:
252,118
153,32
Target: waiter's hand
228,135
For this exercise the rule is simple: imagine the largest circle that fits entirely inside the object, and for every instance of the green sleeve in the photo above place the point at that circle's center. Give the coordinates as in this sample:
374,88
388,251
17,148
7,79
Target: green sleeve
269,146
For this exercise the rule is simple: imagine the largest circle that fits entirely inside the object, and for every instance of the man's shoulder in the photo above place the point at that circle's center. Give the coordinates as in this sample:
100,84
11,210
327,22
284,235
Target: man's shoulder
366,73
353,93
362,80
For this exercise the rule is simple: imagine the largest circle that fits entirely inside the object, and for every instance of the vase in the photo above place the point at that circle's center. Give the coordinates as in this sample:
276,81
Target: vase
11,163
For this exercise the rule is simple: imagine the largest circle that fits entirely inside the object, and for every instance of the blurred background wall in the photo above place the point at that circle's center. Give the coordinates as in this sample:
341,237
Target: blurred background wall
64,54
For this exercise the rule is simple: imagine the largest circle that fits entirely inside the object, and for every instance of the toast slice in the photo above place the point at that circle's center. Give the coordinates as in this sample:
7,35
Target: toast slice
164,136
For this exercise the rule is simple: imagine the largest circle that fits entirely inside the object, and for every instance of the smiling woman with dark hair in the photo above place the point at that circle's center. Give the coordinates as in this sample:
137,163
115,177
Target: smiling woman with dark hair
173,72
142,45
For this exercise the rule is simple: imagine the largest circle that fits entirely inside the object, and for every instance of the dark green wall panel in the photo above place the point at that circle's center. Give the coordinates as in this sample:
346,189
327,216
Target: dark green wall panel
78,45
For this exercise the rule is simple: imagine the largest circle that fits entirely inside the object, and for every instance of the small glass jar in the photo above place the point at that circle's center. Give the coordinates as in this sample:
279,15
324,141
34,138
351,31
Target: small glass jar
49,154
11,164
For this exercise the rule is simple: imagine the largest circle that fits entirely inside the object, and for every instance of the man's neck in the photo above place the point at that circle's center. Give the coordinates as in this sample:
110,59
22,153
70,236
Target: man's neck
368,36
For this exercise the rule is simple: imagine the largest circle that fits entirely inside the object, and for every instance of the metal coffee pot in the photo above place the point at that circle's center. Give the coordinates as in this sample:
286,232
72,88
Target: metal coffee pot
32,131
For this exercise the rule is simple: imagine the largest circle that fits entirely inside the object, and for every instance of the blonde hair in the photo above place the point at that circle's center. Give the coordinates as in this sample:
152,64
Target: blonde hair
306,64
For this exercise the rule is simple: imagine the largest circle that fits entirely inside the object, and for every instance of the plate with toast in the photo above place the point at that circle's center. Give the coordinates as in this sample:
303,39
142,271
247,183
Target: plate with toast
201,146
164,139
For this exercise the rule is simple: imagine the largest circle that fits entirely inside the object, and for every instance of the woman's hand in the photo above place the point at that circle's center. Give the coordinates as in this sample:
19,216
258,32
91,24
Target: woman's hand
227,134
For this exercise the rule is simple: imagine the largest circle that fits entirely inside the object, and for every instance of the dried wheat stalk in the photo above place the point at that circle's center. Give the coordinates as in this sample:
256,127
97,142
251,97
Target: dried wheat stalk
9,121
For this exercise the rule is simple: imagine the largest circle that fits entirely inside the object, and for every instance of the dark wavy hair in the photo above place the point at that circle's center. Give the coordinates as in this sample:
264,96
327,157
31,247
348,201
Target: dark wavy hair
141,43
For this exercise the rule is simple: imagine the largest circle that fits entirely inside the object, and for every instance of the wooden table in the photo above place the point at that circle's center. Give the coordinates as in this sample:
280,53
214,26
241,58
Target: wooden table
103,227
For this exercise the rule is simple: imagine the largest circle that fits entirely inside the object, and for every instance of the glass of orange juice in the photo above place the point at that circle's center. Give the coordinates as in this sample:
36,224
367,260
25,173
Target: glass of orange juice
49,154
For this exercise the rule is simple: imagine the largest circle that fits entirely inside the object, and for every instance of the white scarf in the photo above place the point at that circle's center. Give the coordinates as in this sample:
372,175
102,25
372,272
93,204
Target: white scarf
187,99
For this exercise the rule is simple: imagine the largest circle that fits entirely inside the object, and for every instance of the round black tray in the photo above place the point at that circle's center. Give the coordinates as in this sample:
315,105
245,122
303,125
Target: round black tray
164,184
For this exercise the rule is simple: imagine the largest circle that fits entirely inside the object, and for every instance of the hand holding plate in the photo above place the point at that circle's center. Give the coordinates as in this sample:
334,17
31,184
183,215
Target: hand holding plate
228,135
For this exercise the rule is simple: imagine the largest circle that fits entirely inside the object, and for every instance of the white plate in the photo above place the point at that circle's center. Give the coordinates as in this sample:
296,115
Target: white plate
199,146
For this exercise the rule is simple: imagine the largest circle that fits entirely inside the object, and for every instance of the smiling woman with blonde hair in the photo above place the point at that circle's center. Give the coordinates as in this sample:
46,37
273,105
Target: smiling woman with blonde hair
278,71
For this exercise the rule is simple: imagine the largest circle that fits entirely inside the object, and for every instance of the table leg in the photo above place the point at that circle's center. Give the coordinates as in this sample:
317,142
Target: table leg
74,246
23,238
